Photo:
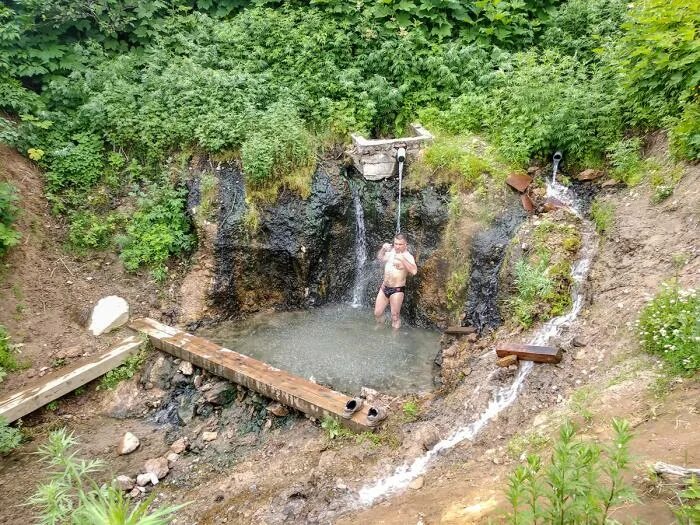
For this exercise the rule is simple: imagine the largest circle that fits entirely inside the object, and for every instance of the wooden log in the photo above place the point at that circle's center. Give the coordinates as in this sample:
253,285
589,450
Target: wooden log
539,354
290,390
59,383
674,470
460,330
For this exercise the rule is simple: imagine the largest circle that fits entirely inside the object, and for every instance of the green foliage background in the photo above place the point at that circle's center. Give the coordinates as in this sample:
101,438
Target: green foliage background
105,95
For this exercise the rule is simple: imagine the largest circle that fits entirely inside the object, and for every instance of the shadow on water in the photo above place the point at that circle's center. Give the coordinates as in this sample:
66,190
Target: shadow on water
336,345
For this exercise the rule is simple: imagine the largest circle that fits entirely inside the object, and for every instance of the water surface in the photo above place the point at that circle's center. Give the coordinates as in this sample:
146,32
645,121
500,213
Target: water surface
336,345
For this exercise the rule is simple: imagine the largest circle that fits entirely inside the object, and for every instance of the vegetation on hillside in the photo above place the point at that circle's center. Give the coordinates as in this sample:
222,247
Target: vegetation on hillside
582,482
111,98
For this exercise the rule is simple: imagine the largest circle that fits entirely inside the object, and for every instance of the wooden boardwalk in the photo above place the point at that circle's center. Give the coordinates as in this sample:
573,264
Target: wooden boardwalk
306,396
59,383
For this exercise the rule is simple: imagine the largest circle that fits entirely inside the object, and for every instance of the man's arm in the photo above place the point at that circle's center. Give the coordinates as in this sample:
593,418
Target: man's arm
383,251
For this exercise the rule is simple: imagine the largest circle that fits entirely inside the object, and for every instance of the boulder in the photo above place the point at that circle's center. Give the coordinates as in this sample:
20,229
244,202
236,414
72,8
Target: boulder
417,483
277,409
109,313
124,482
220,393
526,201
552,204
518,181
144,479
158,466
209,436
186,368
180,445
128,444
172,458
589,174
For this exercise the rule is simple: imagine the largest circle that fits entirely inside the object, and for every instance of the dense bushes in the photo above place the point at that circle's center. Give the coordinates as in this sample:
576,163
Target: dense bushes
267,81
8,212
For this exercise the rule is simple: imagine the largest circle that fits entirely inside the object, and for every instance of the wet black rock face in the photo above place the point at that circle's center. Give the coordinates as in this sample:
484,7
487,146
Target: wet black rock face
297,257
303,253
487,254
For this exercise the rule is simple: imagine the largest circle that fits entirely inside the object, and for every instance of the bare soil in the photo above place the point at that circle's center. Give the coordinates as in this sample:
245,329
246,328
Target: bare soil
289,471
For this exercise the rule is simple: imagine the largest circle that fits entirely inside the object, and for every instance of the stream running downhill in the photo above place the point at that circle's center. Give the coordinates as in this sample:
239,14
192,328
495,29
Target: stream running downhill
503,396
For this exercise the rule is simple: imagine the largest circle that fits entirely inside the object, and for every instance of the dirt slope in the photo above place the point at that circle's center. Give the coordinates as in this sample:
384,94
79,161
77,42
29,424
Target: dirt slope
46,293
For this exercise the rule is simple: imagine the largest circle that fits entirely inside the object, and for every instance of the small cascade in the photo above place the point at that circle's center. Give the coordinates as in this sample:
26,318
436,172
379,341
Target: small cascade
400,157
361,277
503,397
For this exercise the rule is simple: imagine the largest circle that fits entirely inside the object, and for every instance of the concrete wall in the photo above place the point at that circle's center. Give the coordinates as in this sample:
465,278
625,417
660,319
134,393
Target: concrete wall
375,159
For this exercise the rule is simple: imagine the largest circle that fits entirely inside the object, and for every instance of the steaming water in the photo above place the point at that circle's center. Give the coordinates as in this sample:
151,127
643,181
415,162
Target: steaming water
502,398
361,276
338,346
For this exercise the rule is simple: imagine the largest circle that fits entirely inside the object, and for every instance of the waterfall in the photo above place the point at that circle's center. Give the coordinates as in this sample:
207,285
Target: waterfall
361,277
504,396
398,211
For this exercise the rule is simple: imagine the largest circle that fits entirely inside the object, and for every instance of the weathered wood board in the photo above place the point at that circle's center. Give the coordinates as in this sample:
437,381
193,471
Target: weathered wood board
539,354
59,383
460,330
306,396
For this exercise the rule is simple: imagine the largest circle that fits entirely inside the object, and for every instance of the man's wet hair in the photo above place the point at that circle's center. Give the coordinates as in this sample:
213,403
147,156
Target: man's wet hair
401,237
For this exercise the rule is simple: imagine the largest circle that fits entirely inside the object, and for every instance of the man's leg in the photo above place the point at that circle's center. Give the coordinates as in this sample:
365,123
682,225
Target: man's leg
396,300
380,305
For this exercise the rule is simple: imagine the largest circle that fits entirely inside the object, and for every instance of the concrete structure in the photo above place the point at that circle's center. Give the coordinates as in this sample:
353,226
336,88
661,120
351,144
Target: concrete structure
375,159
310,398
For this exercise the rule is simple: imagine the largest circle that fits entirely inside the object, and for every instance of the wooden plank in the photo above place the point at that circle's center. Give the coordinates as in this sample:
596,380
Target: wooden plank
306,396
460,330
539,354
59,383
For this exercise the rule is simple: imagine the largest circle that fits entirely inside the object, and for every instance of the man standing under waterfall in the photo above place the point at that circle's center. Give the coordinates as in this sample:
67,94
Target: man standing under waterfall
398,263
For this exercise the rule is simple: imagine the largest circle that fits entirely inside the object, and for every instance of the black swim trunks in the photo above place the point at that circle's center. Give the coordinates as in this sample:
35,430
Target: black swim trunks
391,290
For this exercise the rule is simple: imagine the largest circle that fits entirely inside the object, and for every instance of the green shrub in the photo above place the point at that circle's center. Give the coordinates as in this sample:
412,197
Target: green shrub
125,371
685,132
278,146
90,231
334,429
76,164
157,230
660,57
8,213
583,27
688,513
533,285
8,361
627,165
73,495
603,215
411,411
669,326
581,484
10,437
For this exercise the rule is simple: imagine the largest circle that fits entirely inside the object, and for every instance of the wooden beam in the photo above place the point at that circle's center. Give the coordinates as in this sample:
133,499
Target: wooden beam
306,396
539,354
460,330
59,383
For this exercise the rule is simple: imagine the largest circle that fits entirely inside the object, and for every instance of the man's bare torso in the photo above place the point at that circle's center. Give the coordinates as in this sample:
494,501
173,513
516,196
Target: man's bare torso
394,270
